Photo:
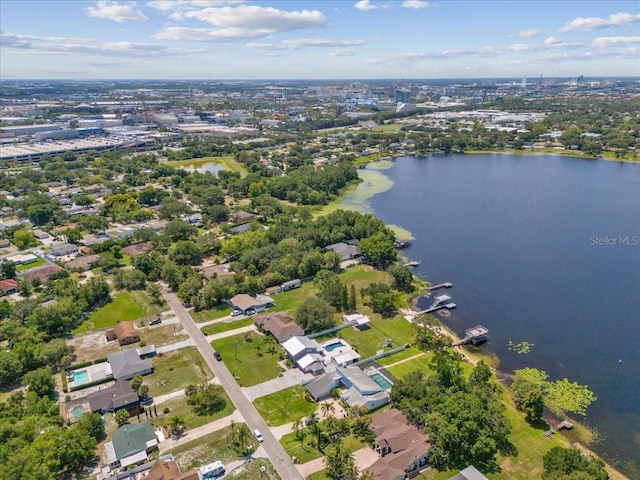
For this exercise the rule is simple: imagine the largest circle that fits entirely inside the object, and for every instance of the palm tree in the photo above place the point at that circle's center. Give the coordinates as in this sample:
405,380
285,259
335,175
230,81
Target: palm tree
340,463
327,409
296,425
312,419
175,424
317,431
243,434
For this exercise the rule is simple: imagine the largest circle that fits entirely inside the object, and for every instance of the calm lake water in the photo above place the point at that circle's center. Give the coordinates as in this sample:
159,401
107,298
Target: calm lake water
203,167
542,249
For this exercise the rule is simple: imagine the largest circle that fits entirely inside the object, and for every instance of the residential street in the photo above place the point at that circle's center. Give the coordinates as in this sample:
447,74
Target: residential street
278,456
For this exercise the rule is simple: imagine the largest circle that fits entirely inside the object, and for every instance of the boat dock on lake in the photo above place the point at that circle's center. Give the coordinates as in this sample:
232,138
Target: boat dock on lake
474,336
439,302
440,285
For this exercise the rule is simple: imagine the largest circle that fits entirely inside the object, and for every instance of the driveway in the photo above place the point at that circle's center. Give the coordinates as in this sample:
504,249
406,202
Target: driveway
288,379
201,431
278,456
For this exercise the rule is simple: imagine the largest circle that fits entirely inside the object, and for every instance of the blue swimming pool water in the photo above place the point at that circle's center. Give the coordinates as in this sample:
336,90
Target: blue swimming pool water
382,381
331,347
80,377
77,412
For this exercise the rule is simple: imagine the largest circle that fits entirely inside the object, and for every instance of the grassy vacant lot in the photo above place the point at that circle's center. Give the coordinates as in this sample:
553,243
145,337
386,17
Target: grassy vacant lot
251,471
291,300
285,406
206,315
305,452
120,309
191,420
206,449
163,334
133,305
175,370
248,365
220,327
38,263
418,363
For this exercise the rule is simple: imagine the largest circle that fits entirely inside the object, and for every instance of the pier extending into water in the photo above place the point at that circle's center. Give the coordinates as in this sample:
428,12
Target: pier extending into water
440,285
439,302
474,336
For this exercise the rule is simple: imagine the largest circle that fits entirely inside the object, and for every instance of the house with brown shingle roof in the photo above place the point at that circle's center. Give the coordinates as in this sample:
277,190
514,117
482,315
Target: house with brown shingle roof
8,286
43,274
137,249
124,332
82,264
403,449
279,324
169,470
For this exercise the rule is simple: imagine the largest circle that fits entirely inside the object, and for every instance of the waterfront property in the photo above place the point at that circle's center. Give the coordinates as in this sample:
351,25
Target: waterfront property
403,449
307,354
339,352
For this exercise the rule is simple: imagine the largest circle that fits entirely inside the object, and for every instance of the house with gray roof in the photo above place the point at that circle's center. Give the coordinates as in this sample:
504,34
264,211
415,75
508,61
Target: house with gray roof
345,250
130,445
360,389
307,354
469,473
111,399
127,364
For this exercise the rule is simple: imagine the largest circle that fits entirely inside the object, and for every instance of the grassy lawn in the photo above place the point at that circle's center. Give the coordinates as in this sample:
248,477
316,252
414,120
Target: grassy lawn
207,449
285,406
162,335
206,315
38,263
120,309
291,300
243,361
175,370
191,420
305,452
220,327
419,363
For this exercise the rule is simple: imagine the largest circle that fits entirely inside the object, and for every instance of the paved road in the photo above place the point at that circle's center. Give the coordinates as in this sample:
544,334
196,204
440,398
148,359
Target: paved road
278,456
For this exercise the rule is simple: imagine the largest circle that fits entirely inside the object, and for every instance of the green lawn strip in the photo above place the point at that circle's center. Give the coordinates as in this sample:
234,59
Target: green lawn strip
419,363
207,449
243,361
38,263
178,406
306,452
291,300
151,310
206,315
398,329
321,475
120,309
396,357
175,370
285,406
366,342
220,327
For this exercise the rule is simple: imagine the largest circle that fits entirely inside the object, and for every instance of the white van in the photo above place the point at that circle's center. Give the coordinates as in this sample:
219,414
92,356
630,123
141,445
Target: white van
258,435
212,470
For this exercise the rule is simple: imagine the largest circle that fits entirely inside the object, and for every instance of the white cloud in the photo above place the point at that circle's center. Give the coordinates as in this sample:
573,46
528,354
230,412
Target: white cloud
167,5
552,41
366,5
605,42
241,23
261,18
548,44
116,11
406,58
340,52
65,45
529,33
415,4
595,23
305,42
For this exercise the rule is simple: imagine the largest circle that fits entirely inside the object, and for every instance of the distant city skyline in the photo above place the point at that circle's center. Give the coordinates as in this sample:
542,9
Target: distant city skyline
339,39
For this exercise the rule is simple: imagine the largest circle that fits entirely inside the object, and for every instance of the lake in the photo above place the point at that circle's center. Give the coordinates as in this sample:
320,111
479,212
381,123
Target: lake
541,249
203,167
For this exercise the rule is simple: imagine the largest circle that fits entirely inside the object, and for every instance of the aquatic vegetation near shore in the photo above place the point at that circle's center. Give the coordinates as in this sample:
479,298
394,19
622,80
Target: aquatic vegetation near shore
520,348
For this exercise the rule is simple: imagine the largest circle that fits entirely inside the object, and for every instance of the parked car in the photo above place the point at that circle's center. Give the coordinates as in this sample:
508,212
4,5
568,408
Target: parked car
250,312
155,321
258,435
236,312
217,355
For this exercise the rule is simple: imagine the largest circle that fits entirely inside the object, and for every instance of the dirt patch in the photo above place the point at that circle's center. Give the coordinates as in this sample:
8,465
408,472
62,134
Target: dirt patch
92,346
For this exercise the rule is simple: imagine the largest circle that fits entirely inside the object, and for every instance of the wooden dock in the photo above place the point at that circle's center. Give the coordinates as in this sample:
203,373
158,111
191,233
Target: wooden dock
412,263
564,424
440,285
474,336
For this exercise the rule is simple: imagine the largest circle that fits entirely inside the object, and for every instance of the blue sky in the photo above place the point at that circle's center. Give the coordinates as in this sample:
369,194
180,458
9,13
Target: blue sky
299,39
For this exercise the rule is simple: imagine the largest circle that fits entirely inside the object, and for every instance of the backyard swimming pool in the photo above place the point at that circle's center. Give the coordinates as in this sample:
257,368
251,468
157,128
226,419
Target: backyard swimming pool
381,380
80,377
77,412
332,346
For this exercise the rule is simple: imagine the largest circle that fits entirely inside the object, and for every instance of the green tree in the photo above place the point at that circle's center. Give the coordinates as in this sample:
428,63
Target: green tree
155,293
186,252
340,463
175,424
315,314
243,435
379,249
40,381
352,299
8,269
207,400
24,239
10,368
136,383
121,417
568,463
402,277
